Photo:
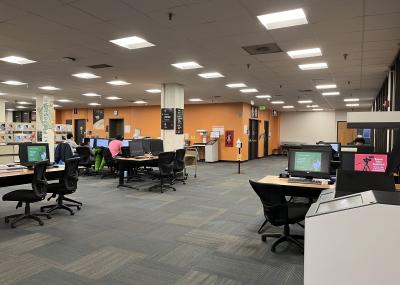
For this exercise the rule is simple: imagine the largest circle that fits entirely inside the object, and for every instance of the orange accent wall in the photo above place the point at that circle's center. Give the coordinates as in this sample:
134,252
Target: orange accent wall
231,116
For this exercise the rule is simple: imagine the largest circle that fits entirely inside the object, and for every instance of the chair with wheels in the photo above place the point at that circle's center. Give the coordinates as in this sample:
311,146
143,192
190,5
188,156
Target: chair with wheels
68,183
165,171
37,194
179,166
85,159
280,212
110,162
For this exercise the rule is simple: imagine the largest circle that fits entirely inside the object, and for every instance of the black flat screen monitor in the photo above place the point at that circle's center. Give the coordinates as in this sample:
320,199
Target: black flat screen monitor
310,163
30,153
156,146
136,147
102,143
146,145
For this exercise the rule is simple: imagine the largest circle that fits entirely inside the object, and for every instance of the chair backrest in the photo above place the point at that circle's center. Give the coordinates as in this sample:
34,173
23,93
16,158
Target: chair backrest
70,175
63,151
273,200
166,163
179,163
39,182
84,154
110,161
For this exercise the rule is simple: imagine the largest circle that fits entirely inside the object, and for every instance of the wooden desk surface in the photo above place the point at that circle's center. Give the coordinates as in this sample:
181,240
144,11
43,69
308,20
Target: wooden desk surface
148,158
20,172
271,179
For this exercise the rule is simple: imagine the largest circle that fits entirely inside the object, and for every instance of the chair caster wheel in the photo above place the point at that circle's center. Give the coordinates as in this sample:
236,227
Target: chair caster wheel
41,223
6,220
13,226
78,208
48,217
264,238
41,210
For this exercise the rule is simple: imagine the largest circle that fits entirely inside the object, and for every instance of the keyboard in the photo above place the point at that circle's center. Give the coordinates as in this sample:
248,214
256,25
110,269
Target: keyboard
304,180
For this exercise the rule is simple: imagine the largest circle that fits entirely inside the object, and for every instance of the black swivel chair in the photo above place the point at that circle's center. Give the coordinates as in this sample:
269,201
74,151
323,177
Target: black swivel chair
280,212
85,158
68,183
38,193
110,163
179,165
62,152
165,170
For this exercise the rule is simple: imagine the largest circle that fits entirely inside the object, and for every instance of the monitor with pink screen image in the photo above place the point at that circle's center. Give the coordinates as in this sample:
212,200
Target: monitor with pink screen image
370,162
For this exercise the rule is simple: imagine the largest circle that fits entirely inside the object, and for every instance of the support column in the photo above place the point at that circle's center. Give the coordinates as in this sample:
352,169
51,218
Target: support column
45,116
2,110
173,96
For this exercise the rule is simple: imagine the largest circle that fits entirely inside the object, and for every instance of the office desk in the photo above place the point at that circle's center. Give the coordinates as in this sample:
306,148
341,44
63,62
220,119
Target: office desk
125,164
201,150
24,176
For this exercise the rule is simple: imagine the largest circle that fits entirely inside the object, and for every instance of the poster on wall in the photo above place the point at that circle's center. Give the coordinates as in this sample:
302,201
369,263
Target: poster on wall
98,119
179,121
167,118
229,138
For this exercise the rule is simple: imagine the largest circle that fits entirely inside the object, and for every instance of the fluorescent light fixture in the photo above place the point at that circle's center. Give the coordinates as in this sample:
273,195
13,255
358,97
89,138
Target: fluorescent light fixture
187,65
153,91
139,102
94,104
288,107
312,106
326,86
195,100
86,75
113,98
13,82
49,88
352,105
56,106
312,66
333,93
24,103
317,109
304,101
91,94
277,102
303,53
249,90
263,96
64,100
21,107
17,60
236,85
283,19
118,82
211,75
10,110
1,93
351,100
133,42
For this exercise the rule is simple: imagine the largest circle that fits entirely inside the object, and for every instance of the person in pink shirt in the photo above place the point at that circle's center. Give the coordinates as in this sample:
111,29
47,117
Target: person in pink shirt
115,145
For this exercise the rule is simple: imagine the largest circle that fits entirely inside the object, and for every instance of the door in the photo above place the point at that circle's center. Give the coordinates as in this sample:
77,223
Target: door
266,137
344,135
116,127
253,139
80,130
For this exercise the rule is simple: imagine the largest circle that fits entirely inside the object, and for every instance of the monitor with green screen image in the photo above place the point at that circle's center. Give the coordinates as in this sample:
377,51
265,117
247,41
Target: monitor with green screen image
309,163
36,153
29,153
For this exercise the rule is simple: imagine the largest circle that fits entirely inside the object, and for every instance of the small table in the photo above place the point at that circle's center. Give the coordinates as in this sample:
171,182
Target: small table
126,163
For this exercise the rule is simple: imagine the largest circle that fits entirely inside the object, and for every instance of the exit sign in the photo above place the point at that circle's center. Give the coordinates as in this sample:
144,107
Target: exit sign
261,108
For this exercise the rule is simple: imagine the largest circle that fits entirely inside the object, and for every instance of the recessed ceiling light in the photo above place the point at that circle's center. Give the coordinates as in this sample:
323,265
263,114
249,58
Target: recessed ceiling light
91,94
86,75
94,104
236,85
263,96
325,86
283,19
288,107
13,82
312,66
211,75
118,82
21,107
24,103
195,100
133,42
302,53
10,110
351,100
312,106
140,102
277,102
17,60
50,88
249,90
333,93
187,65
153,90
113,98
318,109
304,101
64,100
352,105
56,106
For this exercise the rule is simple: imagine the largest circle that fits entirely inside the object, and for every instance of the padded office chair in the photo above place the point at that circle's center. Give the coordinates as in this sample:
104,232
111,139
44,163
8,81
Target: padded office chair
279,212
110,163
38,193
62,152
85,159
165,170
68,183
179,166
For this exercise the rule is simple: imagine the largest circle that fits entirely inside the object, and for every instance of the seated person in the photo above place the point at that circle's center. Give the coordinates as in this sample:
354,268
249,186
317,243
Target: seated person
359,140
71,142
86,143
115,145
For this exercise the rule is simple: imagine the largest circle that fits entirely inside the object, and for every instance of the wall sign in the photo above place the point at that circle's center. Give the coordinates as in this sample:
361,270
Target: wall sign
179,121
98,119
254,112
274,113
229,138
167,118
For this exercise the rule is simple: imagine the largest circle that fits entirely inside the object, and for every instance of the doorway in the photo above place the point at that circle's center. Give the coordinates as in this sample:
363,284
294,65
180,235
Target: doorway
266,137
116,127
344,135
253,139
80,130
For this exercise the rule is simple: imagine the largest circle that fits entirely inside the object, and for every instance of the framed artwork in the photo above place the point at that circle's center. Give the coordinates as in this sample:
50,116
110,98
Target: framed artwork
229,138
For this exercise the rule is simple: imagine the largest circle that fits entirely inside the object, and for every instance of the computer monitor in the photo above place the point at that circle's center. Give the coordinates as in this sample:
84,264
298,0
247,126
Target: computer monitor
30,153
125,143
102,143
92,142
347,159
136,147
394,157
335,147
156,146
146,146
370,162
309,163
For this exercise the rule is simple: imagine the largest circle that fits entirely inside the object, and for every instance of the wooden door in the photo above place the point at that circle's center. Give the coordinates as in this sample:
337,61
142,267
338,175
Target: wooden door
345,135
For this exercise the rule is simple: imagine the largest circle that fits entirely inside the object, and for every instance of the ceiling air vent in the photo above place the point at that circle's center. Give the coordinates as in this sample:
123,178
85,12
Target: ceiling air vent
98,66
262,49
305,90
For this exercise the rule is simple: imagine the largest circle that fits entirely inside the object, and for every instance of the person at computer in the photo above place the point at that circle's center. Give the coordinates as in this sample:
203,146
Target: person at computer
359,141
115,145
71,142
86,143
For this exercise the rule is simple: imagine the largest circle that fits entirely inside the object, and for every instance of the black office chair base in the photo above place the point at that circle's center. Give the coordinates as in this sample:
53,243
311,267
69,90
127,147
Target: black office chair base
286,236
260,230
72,201
27,215
162,187
127,186
60,205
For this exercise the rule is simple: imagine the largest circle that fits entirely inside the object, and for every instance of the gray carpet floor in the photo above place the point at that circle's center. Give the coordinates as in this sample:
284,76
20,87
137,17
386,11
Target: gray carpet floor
204,233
